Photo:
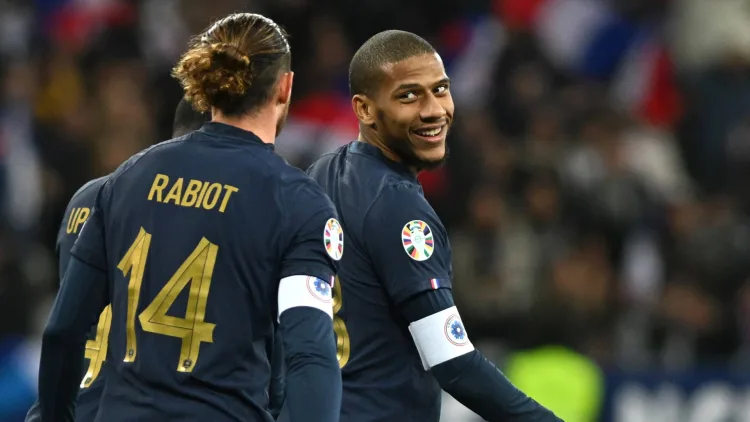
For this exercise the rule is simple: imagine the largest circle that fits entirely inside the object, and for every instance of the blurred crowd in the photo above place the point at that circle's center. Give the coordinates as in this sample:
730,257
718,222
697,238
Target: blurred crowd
597,194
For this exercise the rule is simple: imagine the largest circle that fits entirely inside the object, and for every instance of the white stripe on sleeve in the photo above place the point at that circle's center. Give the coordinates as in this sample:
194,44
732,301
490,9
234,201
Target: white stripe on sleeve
440,337
304,290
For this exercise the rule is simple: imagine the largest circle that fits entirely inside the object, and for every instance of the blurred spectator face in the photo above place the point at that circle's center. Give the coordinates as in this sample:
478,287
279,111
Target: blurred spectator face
544,125
544,136
605,136
542,200
115,147
477,126
120,90
18,82
487,208
331,49
686,305
414,110
528,83
497,160
685,218
583,279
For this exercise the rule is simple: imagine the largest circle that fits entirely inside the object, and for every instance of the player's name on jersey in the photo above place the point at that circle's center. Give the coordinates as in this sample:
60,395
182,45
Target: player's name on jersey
76,218
190,193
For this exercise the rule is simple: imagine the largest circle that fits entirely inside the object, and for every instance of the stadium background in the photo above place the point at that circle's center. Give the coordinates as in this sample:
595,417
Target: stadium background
597,196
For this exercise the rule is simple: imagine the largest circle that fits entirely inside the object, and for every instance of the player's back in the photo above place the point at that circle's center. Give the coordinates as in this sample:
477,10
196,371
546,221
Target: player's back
194,232
383,378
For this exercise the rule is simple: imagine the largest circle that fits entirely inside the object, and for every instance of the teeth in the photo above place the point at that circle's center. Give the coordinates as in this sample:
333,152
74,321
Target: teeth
431,132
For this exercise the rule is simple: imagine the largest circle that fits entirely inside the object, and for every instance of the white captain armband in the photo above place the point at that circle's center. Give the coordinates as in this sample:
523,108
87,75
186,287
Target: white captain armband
440,337
304,290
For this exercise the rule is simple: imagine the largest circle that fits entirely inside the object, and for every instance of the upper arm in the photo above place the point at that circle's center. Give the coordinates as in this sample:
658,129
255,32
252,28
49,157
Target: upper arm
314,240
313,246
436,327
407,243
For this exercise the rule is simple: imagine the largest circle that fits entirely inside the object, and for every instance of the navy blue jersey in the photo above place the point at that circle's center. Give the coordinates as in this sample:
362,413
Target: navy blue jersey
78,211
92,384
194,235
396,247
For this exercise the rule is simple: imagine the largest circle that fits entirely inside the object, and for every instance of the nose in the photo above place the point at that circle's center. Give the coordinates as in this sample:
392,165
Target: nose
433,110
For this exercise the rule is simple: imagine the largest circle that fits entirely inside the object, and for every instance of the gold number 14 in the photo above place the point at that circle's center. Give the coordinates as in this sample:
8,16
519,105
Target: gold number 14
197,271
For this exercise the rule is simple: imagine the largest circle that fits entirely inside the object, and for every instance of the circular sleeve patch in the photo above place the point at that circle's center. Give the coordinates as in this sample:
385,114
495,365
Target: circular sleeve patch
416,237
319,289
333,239
455,332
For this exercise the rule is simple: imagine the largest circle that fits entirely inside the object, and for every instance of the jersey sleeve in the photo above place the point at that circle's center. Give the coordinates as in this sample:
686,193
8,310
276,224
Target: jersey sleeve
76,213
90,247
407,243
62,250
314,238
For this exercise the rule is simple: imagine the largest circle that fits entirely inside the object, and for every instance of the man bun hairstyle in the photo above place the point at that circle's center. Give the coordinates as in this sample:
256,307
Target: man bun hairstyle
234,65
393,46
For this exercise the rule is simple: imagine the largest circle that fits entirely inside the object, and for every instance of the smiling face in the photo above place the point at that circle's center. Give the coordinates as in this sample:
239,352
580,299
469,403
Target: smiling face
410,112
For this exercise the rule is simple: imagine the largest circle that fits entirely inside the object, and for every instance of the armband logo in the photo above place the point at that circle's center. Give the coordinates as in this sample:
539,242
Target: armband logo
319,289
416,237
455,331
333,239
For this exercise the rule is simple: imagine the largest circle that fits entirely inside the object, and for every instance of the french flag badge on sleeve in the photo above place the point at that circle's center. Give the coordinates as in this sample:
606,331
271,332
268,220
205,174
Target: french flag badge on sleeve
435,283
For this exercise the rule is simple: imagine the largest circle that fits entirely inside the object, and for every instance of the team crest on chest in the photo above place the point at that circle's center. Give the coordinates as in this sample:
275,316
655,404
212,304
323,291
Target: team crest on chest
417,240
333,239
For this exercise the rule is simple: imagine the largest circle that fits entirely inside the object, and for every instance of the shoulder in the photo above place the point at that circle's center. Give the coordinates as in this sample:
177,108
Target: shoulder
326,160
297,189
401,205
135,159
79,208
87,192
399,197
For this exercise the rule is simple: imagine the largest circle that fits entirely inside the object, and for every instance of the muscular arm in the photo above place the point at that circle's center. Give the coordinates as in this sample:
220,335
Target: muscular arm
462,371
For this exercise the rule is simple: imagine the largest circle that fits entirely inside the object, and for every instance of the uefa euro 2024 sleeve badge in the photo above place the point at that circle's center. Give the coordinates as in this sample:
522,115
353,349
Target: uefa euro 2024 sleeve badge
333,239
416,237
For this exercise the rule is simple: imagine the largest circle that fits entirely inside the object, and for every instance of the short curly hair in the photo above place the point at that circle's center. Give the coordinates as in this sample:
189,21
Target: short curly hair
234,65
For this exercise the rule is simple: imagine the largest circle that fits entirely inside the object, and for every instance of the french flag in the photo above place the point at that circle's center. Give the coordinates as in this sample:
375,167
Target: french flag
646,85
585,36
435,283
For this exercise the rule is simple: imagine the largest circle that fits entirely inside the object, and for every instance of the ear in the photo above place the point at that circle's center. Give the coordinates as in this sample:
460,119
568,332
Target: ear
364,109
285,88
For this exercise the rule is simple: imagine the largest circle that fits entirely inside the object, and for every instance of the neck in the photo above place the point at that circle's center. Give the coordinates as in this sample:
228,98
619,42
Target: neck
262,123
370,137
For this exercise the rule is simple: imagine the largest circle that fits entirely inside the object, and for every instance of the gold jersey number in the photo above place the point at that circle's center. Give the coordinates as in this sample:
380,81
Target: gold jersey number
343,343
196,271
96,349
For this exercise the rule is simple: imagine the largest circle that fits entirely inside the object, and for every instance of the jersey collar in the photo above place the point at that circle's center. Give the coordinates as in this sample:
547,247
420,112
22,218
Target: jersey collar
229,131
359,147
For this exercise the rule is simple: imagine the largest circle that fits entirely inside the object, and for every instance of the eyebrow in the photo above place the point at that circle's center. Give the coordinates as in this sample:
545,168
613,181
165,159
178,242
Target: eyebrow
418,86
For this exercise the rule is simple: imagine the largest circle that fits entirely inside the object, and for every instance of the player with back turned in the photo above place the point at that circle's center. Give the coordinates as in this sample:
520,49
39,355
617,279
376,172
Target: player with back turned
399,335
205,245
76,213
